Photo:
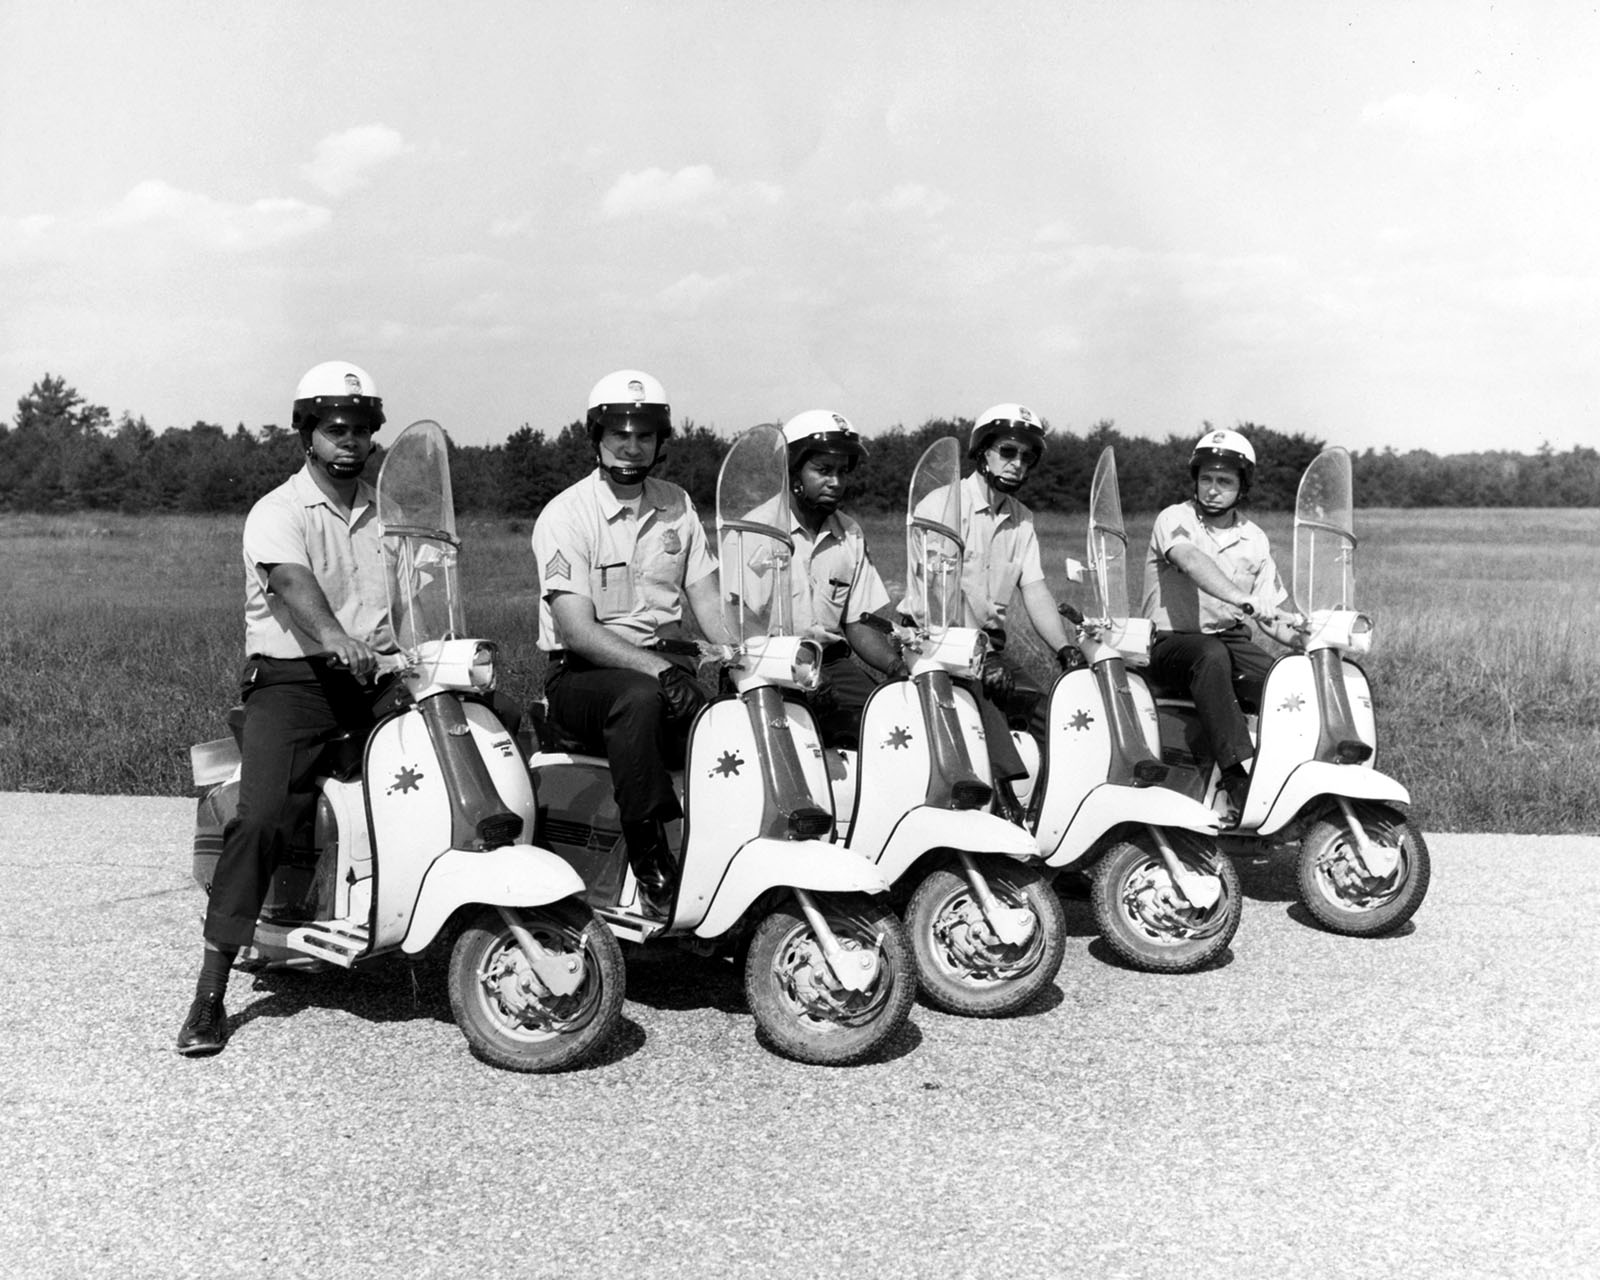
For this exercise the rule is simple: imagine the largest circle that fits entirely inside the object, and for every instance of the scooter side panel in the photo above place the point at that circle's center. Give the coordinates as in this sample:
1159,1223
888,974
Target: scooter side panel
970,830
808,746
1111,804
893,764
763,864
514,875
1316,778
1079,757
1145,704
971,723
410,814
1289,724
1359,693
724,800
506,768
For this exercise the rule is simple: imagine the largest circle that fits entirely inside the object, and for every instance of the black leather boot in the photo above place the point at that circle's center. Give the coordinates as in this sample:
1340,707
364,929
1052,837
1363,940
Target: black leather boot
654,866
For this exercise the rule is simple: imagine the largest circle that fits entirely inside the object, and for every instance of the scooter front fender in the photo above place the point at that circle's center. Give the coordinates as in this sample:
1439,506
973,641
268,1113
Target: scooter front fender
765,863
1318,778
1110,804
514,875
970,830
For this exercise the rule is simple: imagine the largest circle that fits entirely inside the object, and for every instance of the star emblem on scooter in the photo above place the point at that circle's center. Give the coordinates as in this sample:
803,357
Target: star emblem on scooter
1081,721
727,766
407,779
898,740
1294,702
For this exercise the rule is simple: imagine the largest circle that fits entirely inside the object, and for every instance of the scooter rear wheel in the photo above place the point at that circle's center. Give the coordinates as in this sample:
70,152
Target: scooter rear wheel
1148,922
962,967
1337,891
803,1011
507,1017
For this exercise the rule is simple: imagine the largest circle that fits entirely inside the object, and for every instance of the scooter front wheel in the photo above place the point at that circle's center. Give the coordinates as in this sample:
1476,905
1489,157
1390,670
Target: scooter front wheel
1144,915
508,1016
1337,888
799,1003
963,966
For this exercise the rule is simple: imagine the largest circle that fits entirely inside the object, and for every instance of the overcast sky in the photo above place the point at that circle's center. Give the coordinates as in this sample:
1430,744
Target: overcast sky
1375,223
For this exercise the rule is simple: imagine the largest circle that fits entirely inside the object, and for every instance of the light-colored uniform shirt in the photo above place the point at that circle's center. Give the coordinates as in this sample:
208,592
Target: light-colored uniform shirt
1002,553
296,523
834,580
1171,599
631,565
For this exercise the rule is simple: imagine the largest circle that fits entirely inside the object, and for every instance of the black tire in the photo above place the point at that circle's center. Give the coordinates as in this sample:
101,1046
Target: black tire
496,1006
1147,921
1343,899
803,1013
962,967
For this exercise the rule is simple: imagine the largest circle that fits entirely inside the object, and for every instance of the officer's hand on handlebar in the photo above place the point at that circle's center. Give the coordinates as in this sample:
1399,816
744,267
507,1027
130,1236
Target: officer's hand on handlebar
359,657
681,693
996,678
824,698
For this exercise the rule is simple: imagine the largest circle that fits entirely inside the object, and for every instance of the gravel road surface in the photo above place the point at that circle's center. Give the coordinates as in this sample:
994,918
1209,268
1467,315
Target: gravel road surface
1427,1104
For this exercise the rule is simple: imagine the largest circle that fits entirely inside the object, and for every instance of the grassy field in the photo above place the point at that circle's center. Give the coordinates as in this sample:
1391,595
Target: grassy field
120,640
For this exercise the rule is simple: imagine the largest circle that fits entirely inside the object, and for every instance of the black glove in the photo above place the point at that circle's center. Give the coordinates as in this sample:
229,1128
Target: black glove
1069,656
900,671
998,682
824,699
997,638
681,693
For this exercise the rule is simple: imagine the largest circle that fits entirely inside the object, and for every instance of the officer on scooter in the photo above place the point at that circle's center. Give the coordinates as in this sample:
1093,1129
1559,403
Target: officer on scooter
1208,573
316,619
1002,557
834,584
617,553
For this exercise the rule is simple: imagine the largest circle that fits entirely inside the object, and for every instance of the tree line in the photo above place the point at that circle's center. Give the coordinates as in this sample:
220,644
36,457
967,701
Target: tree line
61,453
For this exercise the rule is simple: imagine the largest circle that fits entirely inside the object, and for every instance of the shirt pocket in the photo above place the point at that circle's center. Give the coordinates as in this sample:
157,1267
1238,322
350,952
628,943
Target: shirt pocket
611,587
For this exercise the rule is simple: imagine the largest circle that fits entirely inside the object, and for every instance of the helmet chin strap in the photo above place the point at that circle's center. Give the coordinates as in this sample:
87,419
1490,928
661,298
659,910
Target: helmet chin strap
998,482
625,474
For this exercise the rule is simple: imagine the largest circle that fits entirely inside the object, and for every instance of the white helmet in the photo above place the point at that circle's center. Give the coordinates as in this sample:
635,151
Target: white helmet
1224,448
337,391
1009,420
822,431
628,396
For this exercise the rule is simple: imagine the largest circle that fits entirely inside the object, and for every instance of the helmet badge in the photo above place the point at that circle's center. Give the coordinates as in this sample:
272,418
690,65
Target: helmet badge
352,384
840,423
636,390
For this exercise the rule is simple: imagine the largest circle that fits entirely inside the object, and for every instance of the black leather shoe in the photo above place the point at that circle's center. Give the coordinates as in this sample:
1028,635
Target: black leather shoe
205,1030
655,900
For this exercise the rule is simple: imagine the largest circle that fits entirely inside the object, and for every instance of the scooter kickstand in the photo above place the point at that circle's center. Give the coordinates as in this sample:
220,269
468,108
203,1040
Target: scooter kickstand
1012,925
853,970
1379,861
561,974
1202,891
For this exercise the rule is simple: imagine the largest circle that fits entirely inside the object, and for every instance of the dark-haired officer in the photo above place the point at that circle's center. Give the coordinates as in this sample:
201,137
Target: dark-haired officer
316,619
617,553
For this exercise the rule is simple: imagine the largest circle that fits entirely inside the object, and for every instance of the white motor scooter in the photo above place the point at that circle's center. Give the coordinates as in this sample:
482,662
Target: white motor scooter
1363,865
421,833
986,926
827,968
1165,897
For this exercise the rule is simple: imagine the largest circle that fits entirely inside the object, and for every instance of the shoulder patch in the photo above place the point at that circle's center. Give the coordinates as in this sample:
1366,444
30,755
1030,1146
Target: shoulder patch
557,567
1182,531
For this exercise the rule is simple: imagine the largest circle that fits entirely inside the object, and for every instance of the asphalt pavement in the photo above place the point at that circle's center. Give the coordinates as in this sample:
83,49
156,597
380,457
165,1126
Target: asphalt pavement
1425,1104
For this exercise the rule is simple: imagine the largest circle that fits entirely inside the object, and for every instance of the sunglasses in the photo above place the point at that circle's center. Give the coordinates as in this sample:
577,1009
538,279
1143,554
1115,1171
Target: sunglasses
1012,452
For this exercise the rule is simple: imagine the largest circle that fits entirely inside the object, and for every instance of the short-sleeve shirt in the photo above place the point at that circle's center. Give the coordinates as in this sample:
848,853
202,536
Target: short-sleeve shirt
833,580
1171,599
1002,553
297,523
631,560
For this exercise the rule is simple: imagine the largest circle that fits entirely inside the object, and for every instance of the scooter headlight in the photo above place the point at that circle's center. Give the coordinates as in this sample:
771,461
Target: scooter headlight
806,666
482,671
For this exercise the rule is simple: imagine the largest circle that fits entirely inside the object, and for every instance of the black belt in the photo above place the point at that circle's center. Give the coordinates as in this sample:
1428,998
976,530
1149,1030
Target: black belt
837,651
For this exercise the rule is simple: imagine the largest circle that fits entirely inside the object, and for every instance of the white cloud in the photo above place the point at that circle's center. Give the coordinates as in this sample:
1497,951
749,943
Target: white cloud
345,161
907,198
694,192
687,296
1431,114
216,224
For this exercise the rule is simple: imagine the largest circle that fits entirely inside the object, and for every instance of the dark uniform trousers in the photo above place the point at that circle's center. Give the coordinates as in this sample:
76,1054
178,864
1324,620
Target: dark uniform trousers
1027,707
292,708
849,687
618,713
1217,670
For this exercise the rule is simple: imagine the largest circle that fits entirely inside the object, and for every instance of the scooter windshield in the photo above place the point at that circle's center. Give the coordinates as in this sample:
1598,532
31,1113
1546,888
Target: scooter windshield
417,522
934,547
1108,540
1324,535
754,542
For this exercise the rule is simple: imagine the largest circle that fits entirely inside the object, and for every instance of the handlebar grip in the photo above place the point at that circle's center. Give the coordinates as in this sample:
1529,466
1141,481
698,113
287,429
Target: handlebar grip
1070,613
